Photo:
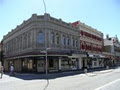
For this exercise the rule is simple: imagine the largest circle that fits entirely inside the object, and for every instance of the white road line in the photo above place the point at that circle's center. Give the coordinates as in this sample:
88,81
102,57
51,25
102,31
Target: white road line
113,82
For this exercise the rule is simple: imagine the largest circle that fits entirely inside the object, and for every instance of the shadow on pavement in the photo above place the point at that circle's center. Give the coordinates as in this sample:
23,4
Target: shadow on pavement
31,76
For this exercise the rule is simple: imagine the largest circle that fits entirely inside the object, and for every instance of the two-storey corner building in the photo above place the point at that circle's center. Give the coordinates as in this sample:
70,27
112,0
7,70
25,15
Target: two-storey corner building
25,47
111,51
91,41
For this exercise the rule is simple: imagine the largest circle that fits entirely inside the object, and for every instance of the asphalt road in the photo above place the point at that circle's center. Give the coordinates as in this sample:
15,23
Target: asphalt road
99,80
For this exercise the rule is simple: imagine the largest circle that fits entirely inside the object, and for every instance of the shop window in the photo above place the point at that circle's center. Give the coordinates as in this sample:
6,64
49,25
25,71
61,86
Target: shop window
30,64
51,61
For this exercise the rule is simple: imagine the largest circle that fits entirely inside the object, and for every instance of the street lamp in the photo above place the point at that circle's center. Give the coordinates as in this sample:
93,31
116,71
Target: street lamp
47,60
46,44
44,5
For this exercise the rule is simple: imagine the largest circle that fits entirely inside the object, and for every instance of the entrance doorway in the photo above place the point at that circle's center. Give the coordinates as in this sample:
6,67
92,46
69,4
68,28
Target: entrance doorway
53,65
40,65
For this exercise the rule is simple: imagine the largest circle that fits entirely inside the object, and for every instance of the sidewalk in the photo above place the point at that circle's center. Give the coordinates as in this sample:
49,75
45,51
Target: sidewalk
29,76
7,78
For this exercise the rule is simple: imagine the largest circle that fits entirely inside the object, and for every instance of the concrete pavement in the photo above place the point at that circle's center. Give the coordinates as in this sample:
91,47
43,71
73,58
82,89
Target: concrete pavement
59,81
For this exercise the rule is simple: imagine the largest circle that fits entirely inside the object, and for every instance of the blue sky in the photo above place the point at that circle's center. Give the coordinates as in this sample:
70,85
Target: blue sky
103,15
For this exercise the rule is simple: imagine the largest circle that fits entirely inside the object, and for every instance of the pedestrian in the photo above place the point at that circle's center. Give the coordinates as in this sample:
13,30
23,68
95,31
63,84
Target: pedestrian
1,71
11,70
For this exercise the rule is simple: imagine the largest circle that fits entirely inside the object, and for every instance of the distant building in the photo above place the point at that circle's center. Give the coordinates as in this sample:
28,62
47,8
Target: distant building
112,50
91,41
25,46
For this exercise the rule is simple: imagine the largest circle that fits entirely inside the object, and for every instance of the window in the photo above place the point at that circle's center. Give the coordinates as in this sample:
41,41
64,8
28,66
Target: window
40,37
57,39
82,33
68,41
52,38
51,63
28,40
76,43
82,46
73,42
95,63
64,40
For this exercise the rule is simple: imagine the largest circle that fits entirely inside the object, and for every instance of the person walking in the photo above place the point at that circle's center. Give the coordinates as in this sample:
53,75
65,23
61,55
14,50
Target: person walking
11,70
1,71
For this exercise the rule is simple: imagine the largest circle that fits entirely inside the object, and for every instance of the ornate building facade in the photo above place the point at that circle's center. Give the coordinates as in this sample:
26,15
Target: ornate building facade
26,46
112,51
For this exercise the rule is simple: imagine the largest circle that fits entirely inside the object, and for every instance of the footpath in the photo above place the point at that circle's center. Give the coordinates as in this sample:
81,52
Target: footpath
30,76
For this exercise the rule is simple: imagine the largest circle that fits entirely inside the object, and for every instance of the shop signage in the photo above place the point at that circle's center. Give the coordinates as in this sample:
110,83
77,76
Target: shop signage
79,52
41,58
96,56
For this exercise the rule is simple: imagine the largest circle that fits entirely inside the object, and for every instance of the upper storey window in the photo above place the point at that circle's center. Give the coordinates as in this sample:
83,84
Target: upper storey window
52,38
68,41
63,40
76,43
40,37
57,39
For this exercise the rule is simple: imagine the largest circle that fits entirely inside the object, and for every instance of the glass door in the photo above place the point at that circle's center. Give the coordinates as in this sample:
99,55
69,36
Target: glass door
40,66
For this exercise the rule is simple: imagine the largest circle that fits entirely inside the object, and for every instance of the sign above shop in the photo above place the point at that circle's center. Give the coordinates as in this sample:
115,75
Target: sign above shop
78,52
94,56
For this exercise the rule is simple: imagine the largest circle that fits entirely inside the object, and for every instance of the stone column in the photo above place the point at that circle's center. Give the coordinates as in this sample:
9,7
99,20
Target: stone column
60,64
80,63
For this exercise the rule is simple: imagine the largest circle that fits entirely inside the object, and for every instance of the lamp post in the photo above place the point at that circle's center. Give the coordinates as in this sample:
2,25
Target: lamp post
46,60
44,5
46,67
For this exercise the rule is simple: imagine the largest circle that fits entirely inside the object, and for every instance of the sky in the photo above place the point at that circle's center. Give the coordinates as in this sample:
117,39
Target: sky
103,15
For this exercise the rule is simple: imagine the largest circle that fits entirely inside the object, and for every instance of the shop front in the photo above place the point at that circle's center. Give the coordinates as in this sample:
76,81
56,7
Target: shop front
37,64
53,64
69,64
92,61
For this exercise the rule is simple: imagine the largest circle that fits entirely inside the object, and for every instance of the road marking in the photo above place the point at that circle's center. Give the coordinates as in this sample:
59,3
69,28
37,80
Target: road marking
110,83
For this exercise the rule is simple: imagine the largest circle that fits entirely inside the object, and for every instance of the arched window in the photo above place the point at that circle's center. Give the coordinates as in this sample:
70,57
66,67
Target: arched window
76,43
63,40
82,46
73,42
52,38
25,43
40,37
57,39
67,41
